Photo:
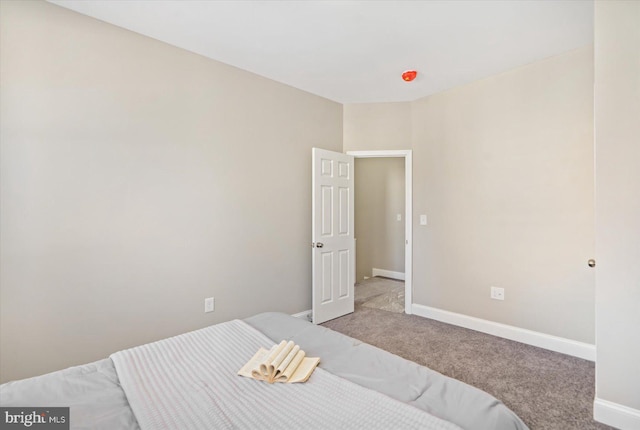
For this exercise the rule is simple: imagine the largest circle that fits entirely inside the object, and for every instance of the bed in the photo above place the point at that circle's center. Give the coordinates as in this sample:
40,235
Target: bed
191,380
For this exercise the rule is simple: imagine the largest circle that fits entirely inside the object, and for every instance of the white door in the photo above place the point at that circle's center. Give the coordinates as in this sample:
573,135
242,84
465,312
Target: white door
333,258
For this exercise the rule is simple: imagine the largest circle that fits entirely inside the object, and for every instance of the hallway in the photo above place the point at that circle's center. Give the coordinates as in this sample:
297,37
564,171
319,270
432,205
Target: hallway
380,293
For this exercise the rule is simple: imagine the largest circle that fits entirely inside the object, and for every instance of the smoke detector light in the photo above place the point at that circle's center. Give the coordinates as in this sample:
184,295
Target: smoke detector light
409,75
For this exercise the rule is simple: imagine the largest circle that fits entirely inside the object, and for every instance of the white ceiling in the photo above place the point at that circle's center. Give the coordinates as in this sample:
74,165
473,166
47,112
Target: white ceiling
355,51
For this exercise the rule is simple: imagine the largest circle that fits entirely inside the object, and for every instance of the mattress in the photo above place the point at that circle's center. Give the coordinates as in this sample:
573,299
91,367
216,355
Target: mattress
97,400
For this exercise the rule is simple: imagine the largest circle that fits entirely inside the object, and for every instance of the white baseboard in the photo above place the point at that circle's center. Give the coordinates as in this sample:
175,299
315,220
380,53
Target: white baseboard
554,343
387,274
305,315
616,415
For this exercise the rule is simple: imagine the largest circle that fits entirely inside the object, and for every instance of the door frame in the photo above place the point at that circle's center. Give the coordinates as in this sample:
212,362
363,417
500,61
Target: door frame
408,215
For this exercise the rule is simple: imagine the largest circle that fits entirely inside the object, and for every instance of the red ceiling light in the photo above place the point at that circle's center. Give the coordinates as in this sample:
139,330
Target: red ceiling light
409,75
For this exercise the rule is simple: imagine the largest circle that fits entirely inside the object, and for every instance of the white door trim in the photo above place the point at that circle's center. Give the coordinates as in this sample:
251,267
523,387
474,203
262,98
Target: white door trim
408,214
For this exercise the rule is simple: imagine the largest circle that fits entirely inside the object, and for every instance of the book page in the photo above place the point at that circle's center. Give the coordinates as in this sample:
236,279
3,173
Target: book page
293,365
291,368
253,364
274,351
283,355
267,368
287,361
304,370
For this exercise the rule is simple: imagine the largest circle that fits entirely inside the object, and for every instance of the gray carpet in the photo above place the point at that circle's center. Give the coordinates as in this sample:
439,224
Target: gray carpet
381,293
546,389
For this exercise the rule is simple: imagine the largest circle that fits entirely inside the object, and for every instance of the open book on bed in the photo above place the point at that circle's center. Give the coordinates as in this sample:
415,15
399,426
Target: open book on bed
284,362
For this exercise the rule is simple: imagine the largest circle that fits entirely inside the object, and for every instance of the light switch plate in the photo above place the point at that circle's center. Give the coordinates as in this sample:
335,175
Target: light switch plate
423,220
209,304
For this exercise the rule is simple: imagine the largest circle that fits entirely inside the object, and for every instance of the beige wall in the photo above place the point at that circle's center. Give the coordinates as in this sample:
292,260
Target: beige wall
377,126
503,169
134,184
379,198
138,179
617,115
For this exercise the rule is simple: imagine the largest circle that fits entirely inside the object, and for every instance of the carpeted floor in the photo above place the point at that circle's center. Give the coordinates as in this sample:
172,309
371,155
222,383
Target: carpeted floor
546,389
380,293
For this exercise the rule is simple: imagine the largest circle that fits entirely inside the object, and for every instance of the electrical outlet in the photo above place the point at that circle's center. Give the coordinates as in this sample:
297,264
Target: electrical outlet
497,293
209,304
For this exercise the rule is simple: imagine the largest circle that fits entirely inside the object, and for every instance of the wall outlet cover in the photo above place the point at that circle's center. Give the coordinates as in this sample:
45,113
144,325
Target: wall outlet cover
497,293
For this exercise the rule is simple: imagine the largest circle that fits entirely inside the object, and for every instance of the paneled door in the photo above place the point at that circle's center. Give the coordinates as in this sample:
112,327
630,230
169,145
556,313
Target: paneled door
333,244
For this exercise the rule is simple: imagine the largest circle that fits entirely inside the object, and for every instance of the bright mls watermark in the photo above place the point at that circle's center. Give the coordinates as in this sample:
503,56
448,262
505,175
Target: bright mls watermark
34,418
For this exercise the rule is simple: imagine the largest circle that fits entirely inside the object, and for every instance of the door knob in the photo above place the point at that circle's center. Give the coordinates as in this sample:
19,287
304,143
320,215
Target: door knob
591,262
319,245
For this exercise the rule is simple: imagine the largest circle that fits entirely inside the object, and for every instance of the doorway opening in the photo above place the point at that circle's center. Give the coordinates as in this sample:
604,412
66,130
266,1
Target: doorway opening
406,216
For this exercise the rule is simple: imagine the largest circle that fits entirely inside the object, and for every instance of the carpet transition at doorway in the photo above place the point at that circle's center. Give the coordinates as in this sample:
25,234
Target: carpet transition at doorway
380,293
